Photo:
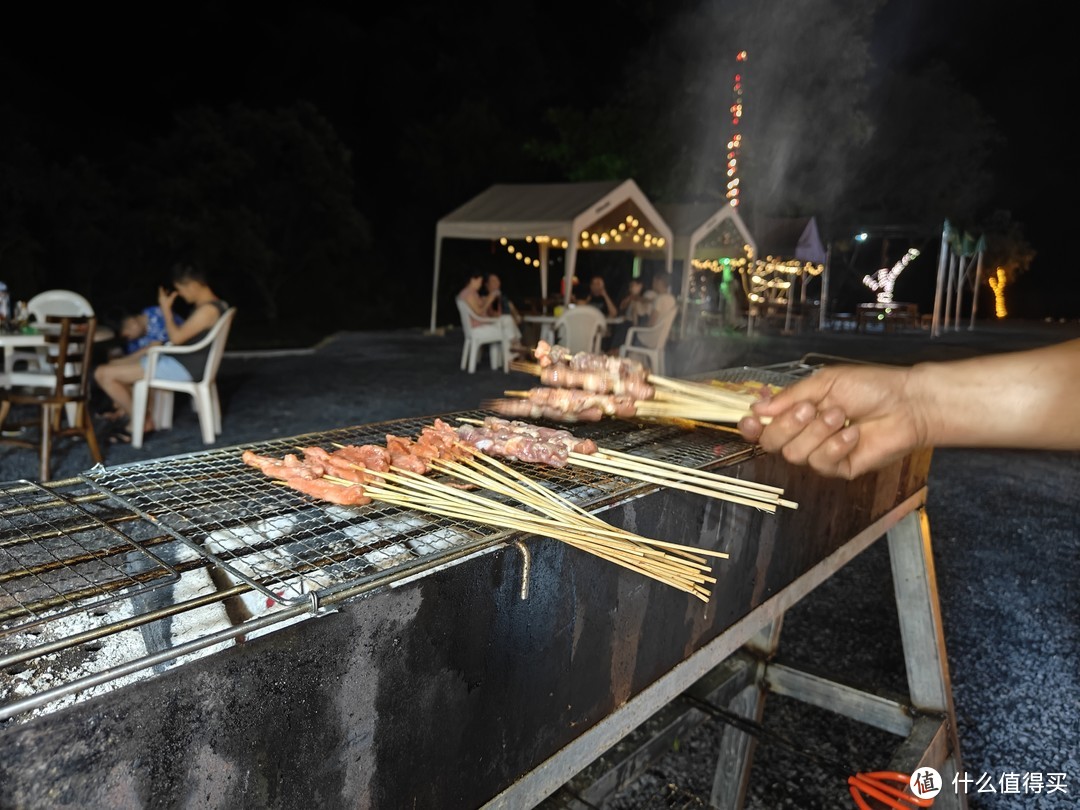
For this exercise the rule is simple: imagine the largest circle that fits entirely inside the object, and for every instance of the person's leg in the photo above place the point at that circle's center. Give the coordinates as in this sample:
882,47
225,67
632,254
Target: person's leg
510,330
116,380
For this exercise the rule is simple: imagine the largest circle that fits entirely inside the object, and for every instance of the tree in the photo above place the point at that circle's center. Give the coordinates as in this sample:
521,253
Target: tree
263,199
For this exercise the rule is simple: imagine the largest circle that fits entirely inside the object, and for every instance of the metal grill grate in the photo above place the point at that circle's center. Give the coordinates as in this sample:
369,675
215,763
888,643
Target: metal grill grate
291,547
57,558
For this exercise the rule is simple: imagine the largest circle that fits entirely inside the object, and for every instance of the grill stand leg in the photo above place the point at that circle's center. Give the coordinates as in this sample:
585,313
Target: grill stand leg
923,637
732,777
930,739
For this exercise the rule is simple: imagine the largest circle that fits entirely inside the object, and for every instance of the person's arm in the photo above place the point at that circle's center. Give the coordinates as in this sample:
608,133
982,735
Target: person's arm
491,304
476,303
660,307
612,310
847,420
199,321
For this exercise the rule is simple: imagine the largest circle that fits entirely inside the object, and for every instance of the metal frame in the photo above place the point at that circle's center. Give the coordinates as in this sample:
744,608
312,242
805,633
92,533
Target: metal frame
720,670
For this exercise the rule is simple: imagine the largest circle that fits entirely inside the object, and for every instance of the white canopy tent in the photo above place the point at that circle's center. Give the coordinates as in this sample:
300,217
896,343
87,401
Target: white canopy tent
556,211
696,226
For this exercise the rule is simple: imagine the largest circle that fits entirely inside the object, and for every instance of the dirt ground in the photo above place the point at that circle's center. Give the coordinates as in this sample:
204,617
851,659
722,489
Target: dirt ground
1005,529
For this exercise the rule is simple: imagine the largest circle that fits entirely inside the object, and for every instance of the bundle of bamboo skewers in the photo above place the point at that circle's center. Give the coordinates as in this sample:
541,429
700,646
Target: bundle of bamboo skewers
539,511
619,387
674,476
682,567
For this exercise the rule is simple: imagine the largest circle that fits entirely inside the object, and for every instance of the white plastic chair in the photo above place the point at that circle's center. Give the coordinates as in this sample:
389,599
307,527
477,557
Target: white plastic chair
581,329
488,333
654,339
203,391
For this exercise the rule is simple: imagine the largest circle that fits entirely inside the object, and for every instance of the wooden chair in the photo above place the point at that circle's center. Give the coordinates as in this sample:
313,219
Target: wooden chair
65,381
40,307
203,391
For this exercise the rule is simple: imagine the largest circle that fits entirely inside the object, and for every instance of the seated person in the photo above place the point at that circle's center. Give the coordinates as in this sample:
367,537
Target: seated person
146,328
481,307
661,303
599,298
634,308
140,331
500,301
117,379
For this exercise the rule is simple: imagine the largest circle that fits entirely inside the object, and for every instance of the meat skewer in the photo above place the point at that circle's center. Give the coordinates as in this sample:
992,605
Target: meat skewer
558,368
760,496
572,404
342,477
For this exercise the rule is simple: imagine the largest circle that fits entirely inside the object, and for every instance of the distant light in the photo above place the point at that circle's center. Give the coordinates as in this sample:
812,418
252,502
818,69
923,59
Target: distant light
862,237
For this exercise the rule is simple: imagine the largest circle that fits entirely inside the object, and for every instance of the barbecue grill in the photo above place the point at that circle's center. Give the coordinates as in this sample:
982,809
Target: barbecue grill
186,627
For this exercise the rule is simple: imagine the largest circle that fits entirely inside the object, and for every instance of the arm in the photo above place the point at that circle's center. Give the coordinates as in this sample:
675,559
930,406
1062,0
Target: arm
477,303
1016,400
200,320
612,311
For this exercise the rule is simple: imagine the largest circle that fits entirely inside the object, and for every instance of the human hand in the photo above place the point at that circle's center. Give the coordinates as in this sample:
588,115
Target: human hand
843,421
166,298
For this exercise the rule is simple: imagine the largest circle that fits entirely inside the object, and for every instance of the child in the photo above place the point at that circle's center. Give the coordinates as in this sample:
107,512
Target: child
147,328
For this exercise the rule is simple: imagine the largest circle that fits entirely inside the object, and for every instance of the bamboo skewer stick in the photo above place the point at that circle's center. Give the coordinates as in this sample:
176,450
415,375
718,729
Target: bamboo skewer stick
618,558
654,462
575,511
455,496
593,524
536,524
765,506
706,391
678,566
631,466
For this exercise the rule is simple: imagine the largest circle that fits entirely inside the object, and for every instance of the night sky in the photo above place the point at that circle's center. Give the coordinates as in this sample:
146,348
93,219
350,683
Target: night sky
92,77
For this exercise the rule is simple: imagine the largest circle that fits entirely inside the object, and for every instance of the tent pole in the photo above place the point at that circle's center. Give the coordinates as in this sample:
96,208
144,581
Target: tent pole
435,284
943,258
824,305
965,264
568,276
787,312
950,277
543,276
975,290
688,268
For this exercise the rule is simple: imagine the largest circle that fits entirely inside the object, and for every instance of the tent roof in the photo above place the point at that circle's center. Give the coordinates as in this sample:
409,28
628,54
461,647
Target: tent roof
693,222
791,238
560,211
552,209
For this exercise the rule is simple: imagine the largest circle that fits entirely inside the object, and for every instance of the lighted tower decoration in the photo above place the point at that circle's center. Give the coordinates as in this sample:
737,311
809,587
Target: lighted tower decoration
735,144
883,281
998,286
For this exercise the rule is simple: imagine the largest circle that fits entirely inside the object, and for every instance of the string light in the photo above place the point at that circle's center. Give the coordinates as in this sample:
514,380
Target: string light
769,279
734,146
629,230
883,281
998,286
529,261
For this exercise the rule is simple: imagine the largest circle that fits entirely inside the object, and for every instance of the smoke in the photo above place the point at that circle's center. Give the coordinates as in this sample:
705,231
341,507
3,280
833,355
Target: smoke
806,83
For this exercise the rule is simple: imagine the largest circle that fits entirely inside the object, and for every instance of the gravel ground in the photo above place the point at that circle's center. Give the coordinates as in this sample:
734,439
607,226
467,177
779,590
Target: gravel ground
1004,523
